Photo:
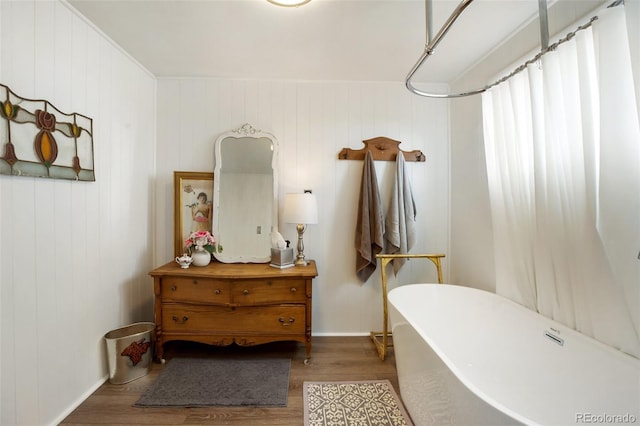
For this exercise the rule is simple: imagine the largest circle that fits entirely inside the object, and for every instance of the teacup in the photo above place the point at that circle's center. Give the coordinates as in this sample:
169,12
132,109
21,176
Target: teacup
184,261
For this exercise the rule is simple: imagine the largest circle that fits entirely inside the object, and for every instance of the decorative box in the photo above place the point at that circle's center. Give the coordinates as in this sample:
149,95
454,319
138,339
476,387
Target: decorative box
282,258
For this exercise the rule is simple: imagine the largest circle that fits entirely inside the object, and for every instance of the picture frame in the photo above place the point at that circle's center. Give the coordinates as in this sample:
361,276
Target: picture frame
189,212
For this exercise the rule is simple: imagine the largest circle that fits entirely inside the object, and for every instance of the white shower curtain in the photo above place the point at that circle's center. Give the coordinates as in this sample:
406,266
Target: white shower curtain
562,144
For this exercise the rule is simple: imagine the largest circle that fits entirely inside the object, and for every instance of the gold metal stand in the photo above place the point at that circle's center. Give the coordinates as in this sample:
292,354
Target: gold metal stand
381,338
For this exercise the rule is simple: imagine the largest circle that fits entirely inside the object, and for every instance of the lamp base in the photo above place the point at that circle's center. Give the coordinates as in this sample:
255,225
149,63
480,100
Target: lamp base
300,256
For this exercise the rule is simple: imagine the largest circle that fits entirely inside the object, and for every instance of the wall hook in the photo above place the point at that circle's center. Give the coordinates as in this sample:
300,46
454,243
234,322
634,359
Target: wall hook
382,149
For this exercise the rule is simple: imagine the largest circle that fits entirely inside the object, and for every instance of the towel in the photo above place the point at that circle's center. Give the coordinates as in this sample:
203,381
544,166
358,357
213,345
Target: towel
370,222
401,215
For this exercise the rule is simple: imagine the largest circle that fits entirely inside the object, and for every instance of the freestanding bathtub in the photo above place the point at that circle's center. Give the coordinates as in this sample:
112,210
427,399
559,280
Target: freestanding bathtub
469,357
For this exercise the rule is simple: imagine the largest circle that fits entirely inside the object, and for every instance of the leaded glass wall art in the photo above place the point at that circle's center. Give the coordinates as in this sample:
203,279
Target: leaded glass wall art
40,140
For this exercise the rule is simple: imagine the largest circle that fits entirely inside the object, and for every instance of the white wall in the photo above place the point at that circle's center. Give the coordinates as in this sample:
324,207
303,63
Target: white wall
313,121
74,256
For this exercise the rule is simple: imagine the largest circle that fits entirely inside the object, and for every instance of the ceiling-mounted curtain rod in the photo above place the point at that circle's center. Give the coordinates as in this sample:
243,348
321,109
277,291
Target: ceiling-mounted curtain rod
432,42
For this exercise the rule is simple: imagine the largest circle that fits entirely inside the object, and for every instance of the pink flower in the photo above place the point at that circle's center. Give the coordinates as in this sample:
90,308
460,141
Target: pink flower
200,240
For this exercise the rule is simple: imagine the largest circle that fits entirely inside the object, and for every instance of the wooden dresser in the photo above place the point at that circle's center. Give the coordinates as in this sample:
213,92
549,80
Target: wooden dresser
225,303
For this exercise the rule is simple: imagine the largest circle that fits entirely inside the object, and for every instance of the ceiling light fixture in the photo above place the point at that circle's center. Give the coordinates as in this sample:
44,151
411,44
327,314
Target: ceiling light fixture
289,3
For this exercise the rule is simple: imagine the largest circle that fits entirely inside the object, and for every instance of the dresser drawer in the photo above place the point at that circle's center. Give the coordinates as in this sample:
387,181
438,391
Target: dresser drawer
251,320
199,290
260,292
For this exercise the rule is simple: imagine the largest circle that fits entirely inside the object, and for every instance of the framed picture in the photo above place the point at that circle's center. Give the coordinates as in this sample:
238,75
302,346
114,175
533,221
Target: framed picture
193,205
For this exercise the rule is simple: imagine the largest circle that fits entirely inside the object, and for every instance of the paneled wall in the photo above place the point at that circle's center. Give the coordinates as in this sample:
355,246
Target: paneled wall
74,256
313,121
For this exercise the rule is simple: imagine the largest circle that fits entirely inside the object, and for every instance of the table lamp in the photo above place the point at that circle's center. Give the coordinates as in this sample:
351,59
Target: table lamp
302,210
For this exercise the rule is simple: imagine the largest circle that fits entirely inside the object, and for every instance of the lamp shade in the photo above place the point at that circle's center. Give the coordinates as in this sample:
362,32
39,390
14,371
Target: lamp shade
300,208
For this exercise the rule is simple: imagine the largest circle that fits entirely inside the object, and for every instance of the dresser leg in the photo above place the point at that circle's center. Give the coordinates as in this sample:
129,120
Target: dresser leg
159,352
307,358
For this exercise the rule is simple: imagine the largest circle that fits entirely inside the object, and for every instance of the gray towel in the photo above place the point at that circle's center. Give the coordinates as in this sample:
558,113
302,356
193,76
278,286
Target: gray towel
370,222
400,225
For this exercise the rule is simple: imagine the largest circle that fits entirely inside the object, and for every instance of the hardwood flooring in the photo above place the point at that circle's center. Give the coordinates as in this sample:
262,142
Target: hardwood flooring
332,359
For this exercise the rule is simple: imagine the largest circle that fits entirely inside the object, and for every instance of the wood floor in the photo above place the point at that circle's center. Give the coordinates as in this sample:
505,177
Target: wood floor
332,359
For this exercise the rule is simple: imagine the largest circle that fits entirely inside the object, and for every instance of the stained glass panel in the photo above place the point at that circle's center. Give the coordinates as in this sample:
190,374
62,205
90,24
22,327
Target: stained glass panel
39,140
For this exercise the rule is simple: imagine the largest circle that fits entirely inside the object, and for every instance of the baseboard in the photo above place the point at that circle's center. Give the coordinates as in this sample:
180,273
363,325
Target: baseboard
79,401
358,334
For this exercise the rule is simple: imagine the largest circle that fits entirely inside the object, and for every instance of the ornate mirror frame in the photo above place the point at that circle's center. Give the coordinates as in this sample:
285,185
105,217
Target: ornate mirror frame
256,248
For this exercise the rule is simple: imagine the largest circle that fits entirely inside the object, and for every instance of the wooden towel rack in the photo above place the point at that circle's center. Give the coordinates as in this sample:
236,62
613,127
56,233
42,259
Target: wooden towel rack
383,149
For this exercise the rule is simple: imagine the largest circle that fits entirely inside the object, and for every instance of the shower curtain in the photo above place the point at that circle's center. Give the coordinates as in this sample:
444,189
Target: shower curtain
562,144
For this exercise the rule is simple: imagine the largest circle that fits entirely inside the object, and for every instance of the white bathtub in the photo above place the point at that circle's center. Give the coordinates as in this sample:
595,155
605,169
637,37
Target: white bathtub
469,357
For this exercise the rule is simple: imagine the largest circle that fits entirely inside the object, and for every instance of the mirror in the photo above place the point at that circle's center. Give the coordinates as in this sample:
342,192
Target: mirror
245,191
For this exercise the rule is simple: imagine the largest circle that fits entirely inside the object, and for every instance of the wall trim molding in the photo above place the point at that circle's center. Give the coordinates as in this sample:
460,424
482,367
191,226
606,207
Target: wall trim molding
63,415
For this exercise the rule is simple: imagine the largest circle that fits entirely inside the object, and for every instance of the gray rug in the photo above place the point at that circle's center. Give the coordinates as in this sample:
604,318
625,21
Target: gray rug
198,382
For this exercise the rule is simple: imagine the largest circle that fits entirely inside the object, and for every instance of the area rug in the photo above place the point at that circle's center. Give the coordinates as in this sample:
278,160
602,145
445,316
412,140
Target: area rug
360,403
198,382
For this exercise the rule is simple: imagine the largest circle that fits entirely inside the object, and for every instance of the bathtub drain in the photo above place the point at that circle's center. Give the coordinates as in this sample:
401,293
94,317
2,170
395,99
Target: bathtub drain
554,338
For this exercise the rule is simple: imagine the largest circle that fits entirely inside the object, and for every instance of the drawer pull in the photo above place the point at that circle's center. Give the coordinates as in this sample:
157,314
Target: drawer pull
218,291
293,289
245,292
174,288
284,323
178,320
195,282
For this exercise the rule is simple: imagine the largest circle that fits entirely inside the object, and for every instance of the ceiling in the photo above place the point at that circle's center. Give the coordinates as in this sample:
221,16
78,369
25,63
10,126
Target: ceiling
365,40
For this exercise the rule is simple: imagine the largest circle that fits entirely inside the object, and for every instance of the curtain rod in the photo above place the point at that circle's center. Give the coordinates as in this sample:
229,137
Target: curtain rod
432,42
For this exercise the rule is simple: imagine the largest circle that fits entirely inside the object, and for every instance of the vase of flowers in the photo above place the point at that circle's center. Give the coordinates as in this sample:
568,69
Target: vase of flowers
200,245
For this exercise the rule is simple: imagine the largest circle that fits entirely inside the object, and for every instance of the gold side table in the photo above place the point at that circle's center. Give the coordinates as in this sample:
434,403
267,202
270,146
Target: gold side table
381,338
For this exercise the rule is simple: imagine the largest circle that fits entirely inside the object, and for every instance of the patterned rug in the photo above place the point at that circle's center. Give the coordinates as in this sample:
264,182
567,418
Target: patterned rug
360,403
